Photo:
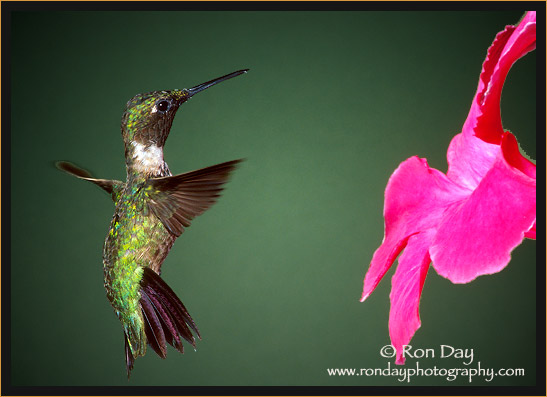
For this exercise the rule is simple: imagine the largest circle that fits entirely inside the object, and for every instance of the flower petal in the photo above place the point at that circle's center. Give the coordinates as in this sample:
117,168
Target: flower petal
521,40
531,233
478,237
406,289
416,198
472,153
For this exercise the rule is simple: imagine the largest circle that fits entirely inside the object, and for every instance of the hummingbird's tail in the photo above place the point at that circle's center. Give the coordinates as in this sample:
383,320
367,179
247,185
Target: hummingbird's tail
165,318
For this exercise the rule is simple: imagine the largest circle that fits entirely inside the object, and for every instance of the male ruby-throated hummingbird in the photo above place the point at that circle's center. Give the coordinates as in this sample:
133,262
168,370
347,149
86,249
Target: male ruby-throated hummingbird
152,209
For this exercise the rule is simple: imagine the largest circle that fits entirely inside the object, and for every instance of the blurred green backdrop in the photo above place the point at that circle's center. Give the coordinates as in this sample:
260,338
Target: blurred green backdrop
272,274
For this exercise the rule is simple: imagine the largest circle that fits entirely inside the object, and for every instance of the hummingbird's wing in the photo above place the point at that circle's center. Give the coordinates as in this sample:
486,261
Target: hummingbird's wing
178,199
112,187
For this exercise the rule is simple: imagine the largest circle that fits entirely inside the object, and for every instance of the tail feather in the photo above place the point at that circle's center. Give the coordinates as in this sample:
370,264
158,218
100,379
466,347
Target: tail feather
153,285
152,327
179,320
169,326
166,318
129,359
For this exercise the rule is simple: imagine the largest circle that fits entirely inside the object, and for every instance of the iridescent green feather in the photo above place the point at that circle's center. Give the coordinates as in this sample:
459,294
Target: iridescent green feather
130,246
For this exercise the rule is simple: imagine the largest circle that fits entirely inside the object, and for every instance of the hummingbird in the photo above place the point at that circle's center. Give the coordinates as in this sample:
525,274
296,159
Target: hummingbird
152,209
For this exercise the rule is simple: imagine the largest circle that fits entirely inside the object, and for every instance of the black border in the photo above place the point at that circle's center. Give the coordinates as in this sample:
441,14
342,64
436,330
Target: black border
8,389
271,6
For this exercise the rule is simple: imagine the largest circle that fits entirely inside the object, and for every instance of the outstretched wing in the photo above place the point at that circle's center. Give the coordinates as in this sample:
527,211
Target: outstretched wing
113,187
178,199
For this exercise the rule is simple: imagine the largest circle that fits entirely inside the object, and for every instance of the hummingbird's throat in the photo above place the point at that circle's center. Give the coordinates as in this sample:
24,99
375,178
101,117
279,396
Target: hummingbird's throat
147,159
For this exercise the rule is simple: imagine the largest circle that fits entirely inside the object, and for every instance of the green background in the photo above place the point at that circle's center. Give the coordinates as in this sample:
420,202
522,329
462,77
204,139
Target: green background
272,274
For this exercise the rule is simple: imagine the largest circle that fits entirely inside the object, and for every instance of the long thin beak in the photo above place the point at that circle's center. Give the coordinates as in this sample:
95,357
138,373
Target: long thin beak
203,86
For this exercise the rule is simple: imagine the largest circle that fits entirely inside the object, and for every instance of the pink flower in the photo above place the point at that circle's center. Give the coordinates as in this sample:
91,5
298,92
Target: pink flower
468,221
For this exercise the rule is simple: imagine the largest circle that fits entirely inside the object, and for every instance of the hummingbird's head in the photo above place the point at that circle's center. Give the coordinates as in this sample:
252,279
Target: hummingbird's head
148,117
147,120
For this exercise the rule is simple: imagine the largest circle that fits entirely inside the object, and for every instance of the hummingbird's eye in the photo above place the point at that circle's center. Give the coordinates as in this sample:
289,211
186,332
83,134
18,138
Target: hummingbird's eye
163,106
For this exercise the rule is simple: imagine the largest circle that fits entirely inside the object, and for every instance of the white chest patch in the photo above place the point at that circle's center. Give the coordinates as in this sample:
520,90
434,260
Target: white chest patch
147,158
